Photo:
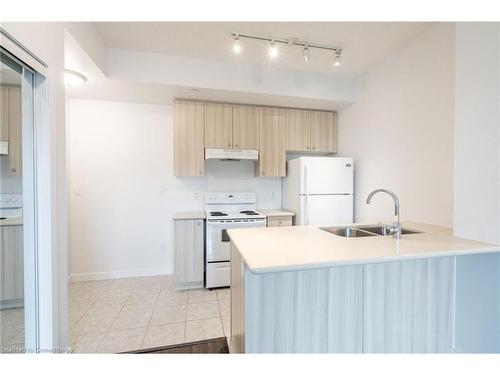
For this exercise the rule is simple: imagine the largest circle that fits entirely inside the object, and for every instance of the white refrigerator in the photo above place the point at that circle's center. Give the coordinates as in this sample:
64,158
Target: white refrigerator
319,190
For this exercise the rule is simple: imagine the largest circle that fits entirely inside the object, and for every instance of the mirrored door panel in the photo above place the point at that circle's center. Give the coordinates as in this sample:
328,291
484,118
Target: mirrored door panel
18,317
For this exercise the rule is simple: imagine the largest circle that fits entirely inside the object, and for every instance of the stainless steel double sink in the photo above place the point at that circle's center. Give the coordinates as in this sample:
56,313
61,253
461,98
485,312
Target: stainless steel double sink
365,230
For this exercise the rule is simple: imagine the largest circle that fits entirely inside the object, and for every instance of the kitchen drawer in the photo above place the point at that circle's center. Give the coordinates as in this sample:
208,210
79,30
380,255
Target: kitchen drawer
279,221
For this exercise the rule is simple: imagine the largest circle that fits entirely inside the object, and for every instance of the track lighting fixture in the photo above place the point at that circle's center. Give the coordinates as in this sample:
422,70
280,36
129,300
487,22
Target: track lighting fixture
273,49
306,53
336,61
236,45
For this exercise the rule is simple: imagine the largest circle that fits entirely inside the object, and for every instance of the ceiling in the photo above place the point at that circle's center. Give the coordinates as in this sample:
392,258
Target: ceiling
364,43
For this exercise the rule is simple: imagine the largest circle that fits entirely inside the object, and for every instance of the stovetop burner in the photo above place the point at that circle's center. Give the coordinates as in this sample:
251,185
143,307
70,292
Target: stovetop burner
248,212
217,213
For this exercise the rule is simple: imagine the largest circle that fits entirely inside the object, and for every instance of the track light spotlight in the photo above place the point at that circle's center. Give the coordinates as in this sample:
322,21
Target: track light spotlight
336,61
236,45
273,51
306,54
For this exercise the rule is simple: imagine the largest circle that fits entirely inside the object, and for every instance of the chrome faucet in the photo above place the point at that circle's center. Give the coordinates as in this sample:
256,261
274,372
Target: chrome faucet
396,226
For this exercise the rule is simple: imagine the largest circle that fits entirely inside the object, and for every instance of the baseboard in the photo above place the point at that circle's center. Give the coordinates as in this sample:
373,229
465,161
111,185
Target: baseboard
120,274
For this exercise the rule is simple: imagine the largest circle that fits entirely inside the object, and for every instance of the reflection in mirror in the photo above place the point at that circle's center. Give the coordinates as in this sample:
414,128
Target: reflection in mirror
12,303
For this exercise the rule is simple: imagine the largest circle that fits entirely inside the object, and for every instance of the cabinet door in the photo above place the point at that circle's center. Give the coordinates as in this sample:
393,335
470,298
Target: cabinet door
272,135
188,253
4,113
298,131
11,264
246,122
408,306
323,131
189,153
279,221
14,119
218,125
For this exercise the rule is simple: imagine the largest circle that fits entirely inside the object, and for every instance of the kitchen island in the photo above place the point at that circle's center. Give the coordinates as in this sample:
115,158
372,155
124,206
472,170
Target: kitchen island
304,290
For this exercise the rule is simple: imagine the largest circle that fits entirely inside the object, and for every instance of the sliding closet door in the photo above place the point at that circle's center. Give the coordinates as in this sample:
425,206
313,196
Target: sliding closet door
18,250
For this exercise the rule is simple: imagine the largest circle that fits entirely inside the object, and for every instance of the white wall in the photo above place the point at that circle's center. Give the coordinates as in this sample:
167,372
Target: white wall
10,183
477,184
477,132
400,132
121,161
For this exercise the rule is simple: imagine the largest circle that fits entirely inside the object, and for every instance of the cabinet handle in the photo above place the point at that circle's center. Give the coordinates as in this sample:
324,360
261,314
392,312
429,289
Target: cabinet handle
314,147
229,145
307,147
13,170
199,172
236,145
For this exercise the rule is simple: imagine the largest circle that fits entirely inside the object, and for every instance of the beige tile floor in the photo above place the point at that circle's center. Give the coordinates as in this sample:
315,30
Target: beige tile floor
11,329
113,316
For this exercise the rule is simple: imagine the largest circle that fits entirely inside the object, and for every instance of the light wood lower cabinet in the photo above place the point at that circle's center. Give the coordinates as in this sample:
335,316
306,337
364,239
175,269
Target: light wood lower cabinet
189,139
11,266
408,306
310,311
279,221
189,239
272,140
392,307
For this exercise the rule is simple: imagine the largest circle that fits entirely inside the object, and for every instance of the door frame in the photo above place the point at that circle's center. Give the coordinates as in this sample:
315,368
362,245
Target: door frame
45,282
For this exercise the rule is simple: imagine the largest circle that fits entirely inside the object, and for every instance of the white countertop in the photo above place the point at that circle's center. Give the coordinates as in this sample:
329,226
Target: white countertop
11,221
275,212
306,247
189,215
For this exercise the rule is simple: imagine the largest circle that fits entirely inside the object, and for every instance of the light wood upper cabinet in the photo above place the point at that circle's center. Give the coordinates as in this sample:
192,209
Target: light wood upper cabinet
189,153
246,123
323,131
4,113
10,125
272,140
218,125
15,161
299,130
273,131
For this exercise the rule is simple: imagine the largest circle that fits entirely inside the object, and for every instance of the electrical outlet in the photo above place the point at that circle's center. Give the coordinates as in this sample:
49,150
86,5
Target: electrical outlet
196,196
76,191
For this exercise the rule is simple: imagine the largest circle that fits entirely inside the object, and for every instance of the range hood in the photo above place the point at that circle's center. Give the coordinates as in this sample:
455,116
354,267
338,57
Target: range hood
231,154
4,147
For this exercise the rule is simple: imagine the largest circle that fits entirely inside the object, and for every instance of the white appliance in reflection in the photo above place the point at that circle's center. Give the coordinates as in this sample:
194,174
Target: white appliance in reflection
319,190
225,211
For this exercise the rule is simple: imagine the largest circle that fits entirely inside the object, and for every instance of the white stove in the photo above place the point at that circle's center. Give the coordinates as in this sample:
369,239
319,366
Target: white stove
225,211
11,206
235,215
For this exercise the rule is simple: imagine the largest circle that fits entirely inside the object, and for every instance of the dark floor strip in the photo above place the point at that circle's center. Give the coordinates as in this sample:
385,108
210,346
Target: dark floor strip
212,346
